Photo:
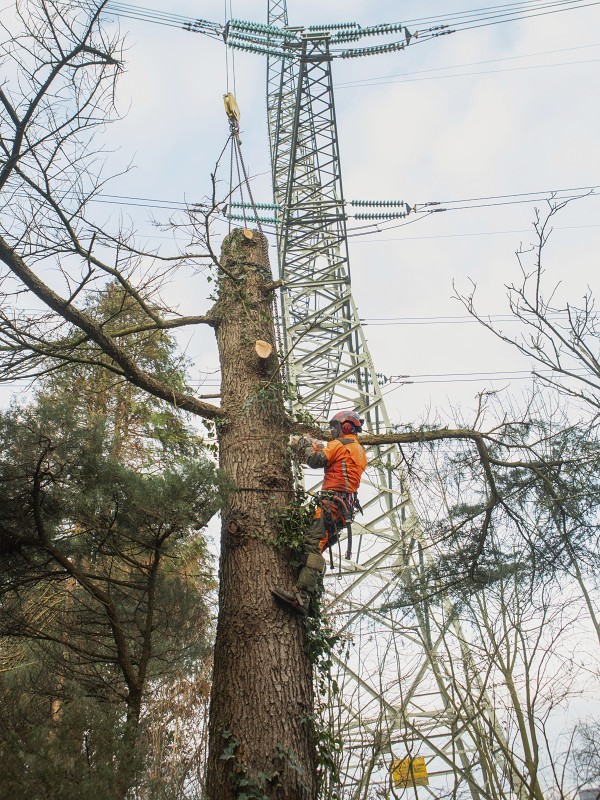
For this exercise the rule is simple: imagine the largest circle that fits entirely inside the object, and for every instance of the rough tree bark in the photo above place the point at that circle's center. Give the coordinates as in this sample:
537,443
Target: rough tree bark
261,727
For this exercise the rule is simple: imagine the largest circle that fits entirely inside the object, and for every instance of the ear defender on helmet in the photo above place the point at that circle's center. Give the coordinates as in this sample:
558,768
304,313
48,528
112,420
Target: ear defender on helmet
348,422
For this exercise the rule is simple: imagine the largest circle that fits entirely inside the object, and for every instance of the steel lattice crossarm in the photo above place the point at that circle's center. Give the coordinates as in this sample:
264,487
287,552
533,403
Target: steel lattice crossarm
399,690
286,43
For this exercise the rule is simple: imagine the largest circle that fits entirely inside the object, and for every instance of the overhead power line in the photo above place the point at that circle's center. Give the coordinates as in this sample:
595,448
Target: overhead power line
421,210
255,37
535,195
425,320
461,203
467,377
394,382
164,18
407,76
383,220
495,15
462,235
450,320
517,6
470,64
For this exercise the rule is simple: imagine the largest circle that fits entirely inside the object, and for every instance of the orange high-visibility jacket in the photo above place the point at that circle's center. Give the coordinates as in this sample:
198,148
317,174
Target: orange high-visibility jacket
344,461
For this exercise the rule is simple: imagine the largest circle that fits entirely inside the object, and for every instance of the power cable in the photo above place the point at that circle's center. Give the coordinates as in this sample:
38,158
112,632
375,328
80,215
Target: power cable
481,378
521,194
381,80
383,226
538,199
448,320
540,7
523,68
563,7
465,235
534,196
466,20
494,373
416,238
383,220
520,5
424,320
357,233
395,382
494,15
446,26
370,229
166,19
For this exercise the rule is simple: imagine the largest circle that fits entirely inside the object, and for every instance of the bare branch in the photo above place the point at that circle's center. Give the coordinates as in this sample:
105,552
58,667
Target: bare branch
107,343
564,340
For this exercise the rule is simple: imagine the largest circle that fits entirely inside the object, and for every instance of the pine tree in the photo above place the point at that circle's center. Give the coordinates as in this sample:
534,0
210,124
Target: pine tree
105,576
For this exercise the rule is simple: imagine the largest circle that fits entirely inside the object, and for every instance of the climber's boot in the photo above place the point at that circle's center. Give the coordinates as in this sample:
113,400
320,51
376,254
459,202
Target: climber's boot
297,600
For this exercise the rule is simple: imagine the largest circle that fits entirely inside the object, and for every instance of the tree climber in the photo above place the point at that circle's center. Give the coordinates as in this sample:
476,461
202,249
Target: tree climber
344,460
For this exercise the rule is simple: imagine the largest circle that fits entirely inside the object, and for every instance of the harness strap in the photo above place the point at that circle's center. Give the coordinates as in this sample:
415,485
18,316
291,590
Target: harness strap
345,504
349,541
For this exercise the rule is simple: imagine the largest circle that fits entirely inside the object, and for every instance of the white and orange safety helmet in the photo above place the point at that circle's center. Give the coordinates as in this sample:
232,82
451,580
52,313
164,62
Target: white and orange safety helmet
345,422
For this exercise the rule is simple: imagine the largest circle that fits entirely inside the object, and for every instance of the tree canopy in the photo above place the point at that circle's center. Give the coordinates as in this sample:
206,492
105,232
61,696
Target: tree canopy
105,580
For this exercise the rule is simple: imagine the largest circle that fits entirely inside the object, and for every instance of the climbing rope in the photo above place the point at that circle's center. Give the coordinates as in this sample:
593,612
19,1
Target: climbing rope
243,185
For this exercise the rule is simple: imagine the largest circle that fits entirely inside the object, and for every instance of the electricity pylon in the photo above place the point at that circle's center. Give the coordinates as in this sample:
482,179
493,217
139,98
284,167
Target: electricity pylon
408,681
399,696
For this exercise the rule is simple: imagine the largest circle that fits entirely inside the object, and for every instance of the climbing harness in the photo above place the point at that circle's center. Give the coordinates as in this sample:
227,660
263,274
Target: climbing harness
338,510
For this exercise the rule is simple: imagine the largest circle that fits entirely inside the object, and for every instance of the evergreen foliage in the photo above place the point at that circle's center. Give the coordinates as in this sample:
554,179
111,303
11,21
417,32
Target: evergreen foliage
105,579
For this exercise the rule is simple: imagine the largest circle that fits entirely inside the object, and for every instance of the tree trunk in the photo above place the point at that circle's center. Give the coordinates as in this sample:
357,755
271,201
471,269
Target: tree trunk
261,733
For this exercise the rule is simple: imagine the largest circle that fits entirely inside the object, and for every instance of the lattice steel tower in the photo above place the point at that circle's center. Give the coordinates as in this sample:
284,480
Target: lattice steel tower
400,696
409,685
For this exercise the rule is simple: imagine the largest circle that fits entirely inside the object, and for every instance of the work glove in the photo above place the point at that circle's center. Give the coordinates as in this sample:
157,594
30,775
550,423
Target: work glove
304,446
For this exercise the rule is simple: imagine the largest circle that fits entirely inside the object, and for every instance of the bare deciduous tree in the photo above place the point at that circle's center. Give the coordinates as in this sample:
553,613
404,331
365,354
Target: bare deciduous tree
562,340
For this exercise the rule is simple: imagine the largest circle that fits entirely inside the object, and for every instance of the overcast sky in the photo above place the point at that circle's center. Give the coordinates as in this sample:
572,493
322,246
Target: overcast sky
498,110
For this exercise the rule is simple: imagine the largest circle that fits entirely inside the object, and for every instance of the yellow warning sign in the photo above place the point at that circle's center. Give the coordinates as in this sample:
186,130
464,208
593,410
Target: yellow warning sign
410,772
